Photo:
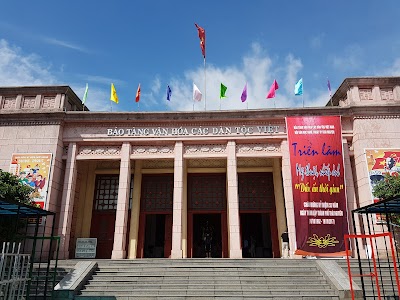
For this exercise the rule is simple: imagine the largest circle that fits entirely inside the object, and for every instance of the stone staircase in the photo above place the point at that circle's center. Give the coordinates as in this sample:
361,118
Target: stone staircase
207,279
40,276
386,278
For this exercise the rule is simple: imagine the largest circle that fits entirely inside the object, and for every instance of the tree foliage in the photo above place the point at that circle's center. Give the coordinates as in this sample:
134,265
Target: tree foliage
12,189
387,188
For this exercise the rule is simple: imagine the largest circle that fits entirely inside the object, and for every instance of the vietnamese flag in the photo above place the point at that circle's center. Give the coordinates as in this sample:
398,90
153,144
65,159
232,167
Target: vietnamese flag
202,37
138,94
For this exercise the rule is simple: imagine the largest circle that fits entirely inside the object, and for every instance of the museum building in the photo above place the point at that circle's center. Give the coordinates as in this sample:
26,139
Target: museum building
154,184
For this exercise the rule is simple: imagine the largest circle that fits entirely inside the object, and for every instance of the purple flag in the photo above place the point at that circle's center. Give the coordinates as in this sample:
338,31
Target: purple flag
329,88
244,93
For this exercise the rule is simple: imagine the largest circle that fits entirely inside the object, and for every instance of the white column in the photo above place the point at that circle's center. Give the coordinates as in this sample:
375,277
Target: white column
351,199
235,250
176,251
135,212
288,193
279,200
67,201
121,220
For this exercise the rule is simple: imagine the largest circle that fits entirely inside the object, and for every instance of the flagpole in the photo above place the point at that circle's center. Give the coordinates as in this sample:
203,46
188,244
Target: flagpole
205,85
302,94
111,105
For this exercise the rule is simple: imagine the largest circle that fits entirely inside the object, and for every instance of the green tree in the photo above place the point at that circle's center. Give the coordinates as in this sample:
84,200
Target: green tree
387,188
12,189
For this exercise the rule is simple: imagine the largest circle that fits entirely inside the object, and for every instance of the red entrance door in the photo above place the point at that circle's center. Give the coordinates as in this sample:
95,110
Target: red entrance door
207,205
103,224
155,221
104,213
155,236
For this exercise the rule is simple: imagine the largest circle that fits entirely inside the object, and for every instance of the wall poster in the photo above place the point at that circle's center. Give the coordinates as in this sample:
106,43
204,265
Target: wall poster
320,206
33,169
379,163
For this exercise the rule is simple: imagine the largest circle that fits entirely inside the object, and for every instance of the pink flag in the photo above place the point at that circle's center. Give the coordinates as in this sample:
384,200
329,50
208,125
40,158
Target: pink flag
274,87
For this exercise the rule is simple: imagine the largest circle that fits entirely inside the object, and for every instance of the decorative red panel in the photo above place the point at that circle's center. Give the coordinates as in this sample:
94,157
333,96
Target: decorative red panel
157,193
256,191
207,192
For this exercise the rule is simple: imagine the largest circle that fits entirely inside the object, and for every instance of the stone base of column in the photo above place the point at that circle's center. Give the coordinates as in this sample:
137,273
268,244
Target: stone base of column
118,254
176,254
62,255
235,253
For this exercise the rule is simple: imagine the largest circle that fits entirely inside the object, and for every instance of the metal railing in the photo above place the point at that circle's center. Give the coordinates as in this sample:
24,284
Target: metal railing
14,272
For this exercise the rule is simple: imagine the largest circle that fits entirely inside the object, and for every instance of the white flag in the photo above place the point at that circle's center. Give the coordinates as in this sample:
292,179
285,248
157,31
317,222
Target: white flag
196,93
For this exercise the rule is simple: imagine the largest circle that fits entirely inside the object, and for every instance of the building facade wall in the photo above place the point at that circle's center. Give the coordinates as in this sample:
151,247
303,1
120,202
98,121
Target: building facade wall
84,144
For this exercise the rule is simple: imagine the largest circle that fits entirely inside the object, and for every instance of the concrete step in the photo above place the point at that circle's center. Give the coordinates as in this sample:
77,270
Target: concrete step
206,297
207,279
210,292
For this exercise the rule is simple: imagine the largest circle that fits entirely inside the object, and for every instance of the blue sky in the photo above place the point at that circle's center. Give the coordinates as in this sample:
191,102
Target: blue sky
155,43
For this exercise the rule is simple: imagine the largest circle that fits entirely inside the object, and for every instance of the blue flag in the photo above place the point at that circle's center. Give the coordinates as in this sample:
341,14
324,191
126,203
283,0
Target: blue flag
298,88
169,92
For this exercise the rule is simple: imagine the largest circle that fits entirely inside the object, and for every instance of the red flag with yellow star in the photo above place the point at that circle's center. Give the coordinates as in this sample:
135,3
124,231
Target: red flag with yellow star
202,37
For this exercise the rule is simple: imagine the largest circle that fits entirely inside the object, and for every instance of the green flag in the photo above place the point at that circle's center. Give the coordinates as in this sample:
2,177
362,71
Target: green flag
223,91
85,94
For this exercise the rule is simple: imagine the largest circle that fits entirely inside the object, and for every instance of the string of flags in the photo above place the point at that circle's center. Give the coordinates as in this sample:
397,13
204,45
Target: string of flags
197,95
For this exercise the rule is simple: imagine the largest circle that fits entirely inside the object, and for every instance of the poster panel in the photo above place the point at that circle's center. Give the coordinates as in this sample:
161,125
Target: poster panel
379,163
33,169
320,207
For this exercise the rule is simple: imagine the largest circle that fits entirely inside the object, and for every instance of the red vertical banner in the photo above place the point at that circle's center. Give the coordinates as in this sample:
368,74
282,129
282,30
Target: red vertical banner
320,207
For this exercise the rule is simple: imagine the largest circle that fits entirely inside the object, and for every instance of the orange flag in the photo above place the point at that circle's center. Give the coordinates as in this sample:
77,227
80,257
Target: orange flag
138,94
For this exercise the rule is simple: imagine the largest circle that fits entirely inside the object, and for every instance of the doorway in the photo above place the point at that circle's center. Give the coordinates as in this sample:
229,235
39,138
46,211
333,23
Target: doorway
207,235
104,214
157,236
256,235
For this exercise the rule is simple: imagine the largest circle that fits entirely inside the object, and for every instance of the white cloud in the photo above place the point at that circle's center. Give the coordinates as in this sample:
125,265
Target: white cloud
64,44
18,69
393,70
349,60
316,41
259,70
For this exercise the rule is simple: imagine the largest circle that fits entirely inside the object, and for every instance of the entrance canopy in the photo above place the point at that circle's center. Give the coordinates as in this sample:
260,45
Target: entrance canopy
381,207
12,207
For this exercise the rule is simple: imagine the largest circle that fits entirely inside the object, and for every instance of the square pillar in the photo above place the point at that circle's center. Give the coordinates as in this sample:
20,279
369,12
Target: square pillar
135,211
279,200
121,219
176,251
235,249
288,194
67,201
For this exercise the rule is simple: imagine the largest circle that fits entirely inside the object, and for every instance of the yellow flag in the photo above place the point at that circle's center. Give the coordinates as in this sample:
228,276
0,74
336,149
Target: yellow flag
114,96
